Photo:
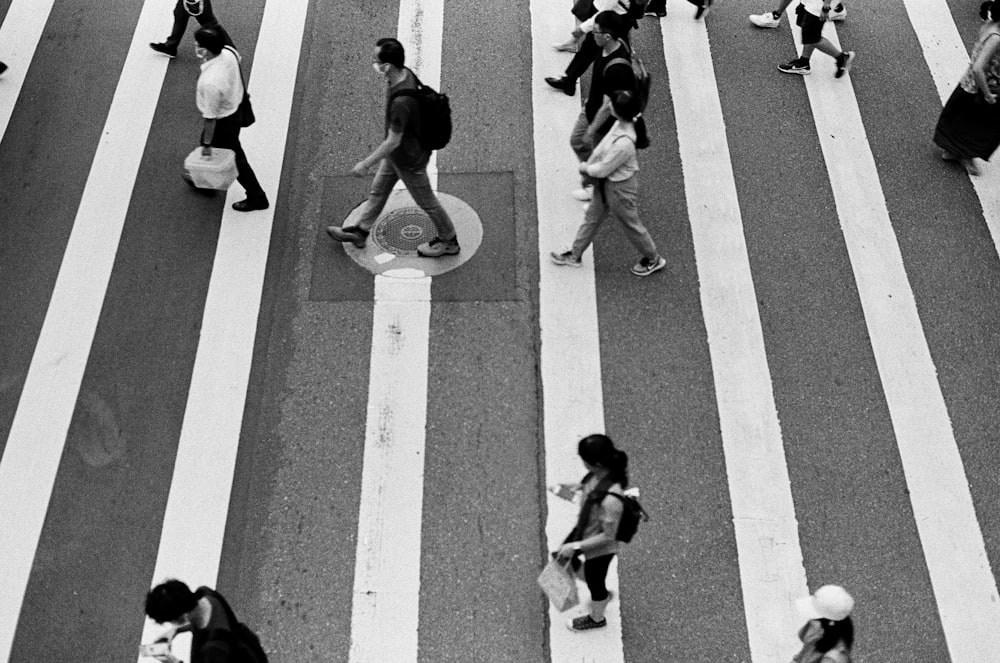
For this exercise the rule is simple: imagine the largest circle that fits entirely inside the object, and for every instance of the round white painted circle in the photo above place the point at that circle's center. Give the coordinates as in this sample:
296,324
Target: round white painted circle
402,226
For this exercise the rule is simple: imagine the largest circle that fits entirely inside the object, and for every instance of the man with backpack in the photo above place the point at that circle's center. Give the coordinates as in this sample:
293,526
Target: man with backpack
216,635
412,131
612,72
588,50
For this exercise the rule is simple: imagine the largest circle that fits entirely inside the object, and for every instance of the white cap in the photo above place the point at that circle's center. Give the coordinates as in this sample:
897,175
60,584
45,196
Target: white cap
828,602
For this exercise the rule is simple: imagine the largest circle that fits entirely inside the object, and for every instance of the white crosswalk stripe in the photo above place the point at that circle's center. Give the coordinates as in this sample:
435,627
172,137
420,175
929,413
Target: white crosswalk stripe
386,611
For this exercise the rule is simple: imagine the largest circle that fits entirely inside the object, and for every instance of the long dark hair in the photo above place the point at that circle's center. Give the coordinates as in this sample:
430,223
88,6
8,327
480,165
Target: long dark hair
628,107
834,632
599,450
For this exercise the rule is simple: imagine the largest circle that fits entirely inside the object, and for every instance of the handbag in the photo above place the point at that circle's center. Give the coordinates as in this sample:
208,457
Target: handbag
558,583
245,109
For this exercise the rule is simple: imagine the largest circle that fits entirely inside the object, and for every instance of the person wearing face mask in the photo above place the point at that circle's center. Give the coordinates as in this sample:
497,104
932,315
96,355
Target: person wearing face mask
202,12
216,635
220,91
399,156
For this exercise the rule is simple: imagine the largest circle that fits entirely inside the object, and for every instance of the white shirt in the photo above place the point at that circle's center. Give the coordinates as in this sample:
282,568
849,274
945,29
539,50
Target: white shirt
220,89
605,6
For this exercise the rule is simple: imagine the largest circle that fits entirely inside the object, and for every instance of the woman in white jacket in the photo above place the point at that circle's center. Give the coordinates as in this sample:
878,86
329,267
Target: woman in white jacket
614,167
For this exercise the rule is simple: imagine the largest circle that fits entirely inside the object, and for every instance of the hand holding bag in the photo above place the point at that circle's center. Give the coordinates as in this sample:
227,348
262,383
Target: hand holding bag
245,109
557,581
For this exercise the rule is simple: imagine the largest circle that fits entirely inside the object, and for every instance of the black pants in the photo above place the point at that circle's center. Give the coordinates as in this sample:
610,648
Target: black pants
206,19
585,56
595,570
656,6
227,135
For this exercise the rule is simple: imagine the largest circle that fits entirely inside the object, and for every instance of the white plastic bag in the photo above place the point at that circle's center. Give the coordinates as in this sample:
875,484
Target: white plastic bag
216,171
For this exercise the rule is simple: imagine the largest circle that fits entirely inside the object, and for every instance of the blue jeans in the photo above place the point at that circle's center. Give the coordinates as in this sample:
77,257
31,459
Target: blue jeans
419,186
620,200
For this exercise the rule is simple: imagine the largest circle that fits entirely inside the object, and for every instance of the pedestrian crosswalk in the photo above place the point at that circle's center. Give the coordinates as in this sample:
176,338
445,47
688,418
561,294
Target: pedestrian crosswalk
696,371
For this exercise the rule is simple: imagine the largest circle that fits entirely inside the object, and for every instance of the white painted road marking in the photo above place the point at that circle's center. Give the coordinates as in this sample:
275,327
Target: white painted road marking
945,516
195,520
570,346
385,608
38,433
947,60
767,540
19,36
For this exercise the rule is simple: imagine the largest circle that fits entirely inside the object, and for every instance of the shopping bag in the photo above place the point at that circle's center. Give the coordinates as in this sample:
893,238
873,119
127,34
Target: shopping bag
216,171
557,581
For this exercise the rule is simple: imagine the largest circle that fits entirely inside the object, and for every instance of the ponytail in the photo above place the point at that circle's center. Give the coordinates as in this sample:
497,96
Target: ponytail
629,108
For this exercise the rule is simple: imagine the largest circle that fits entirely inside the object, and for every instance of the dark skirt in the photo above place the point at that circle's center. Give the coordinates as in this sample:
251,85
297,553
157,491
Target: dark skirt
968,127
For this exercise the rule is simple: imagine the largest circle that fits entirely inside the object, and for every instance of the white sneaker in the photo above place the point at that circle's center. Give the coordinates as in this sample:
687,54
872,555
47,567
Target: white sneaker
765,20
840,15
583,194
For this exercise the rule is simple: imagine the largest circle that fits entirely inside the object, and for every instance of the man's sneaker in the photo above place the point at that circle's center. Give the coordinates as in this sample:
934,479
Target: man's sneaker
165,49
352,234
838,13
796,66
645,266
765,20
438,247
584,193
585,623
699,13
658,13
844,61
567,85
565,259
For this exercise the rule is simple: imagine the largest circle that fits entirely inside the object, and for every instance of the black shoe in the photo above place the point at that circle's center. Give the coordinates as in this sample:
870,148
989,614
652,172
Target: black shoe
562,83
352,234
702,9
657,14
3,67
165,49
251,204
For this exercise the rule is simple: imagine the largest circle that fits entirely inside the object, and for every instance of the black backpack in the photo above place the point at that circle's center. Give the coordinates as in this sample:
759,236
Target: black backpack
435,115
632,515
643,79
244,644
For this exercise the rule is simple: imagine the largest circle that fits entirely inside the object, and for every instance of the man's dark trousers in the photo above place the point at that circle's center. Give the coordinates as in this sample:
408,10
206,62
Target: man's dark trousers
206,19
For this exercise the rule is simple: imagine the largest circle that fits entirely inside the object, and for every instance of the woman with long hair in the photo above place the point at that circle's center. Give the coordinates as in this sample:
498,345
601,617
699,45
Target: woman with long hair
594,535
828,636
614,168
969,126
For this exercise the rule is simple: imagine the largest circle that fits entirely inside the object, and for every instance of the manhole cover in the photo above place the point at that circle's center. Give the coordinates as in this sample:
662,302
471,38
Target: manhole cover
402,230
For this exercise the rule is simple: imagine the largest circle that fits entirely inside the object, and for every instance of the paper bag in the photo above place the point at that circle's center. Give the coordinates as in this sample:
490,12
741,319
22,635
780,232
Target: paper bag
557,581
